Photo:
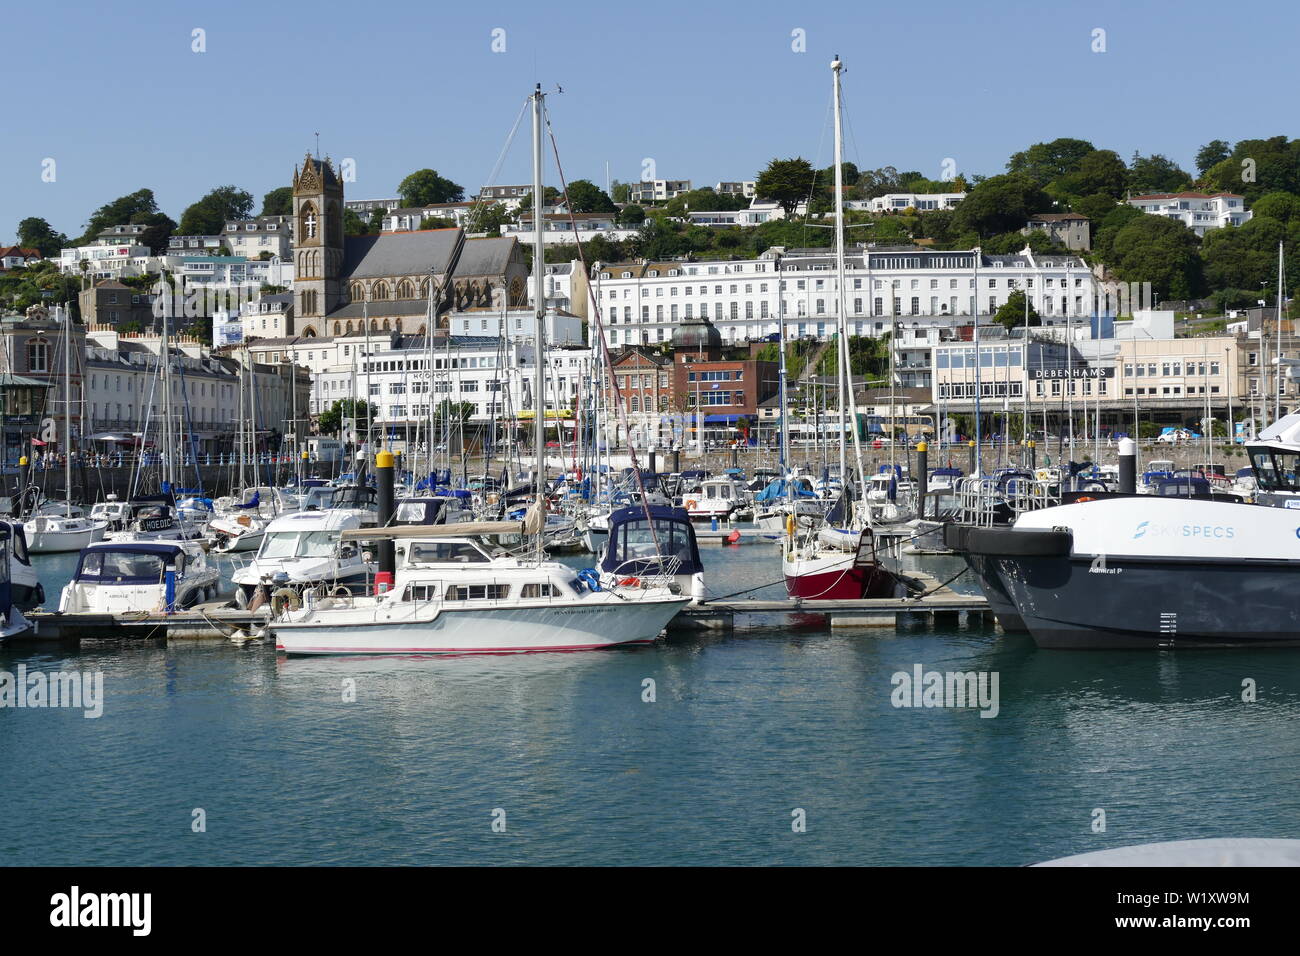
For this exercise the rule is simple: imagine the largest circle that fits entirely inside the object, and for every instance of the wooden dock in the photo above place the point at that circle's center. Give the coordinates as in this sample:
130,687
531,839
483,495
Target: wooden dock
215,621
203,622
942,605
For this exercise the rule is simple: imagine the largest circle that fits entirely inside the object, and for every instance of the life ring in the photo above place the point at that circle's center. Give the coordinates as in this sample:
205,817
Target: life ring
285,596
690,504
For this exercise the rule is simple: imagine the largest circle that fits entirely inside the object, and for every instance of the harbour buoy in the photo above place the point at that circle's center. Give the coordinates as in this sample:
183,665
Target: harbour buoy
734,537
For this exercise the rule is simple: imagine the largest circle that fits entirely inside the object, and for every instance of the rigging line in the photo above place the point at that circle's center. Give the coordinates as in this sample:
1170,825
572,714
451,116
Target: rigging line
620,403
501,157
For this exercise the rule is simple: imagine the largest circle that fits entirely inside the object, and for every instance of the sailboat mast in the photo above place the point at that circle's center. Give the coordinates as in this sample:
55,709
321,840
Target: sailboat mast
539,309
67,409
848,404
167,445
843,348
1277,324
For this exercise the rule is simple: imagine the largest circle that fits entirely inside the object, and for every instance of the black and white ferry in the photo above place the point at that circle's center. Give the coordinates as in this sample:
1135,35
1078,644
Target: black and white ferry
1179,569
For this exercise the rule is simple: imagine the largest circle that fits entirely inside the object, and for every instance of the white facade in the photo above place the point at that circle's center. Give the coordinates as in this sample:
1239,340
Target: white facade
516,324
496,378
1199,212
643,303
897,202
658,190
122,386
106,261
408,220
738,217
265,235
557,227
743,188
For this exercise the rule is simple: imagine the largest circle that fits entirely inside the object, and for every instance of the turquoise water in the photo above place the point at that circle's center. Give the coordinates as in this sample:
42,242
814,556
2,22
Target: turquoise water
746,728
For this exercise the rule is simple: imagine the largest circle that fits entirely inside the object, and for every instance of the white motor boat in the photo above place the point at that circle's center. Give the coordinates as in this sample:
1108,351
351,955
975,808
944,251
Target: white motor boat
134,577
451,596
714,498
303,550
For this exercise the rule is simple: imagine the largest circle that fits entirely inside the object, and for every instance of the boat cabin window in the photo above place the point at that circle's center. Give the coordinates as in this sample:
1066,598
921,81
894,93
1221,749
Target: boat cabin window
478,592
638,540
420,592
4,559
1276,470
413,512
538,590
20,550
456,552
121,566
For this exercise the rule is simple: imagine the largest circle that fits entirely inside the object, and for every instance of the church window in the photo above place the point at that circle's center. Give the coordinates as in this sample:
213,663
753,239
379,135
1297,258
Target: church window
379,291
387,327
406,289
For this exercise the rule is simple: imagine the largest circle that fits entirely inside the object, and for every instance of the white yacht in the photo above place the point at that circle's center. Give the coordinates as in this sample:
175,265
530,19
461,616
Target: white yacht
54,534
303,550
452,596
133,577
714,498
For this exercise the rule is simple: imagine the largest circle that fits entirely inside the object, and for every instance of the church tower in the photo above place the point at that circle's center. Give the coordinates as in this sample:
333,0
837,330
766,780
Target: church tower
317,244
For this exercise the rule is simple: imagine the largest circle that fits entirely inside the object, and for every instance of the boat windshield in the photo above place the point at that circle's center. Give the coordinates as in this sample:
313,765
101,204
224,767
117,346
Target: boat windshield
1276,470
298,544
640,541
121,567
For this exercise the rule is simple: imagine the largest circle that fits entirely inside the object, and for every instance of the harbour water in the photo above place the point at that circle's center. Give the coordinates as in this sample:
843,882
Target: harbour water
745,729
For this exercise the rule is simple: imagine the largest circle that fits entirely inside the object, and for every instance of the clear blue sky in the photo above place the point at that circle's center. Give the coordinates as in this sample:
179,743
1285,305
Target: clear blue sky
117,98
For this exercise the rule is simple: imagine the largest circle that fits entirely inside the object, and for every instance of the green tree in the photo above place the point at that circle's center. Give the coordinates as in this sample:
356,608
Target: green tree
1161,251
631,215
376,223
586,196
278,202
488,218
437,222
208,216
34,233
1211,154
331,421
425,187
1096,207
160,229
1257,167
118,212
1156,174
786,182
449,411
354,225
1011,315
619,192
999,204
1044,162
1099,172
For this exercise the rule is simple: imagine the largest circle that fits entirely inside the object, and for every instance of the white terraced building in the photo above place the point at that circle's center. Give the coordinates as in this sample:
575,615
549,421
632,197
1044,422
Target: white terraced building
492,376
1199,212
643,302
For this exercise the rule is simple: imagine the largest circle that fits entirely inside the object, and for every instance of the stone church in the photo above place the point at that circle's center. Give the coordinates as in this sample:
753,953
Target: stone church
342,283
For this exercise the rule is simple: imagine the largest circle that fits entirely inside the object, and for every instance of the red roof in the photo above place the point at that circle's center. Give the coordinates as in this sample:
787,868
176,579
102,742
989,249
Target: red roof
7,251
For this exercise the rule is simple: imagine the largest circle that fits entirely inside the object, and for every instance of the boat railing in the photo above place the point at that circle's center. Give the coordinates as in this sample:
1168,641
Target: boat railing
979,499
662,571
